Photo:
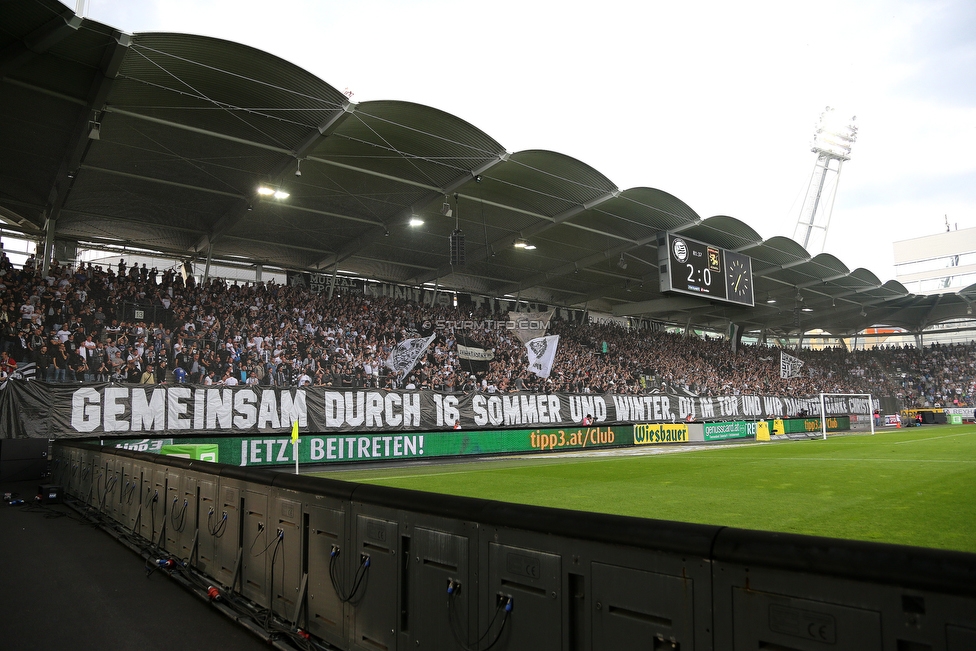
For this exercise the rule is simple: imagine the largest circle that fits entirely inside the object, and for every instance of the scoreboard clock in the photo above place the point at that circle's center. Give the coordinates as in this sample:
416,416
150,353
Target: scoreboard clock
691,267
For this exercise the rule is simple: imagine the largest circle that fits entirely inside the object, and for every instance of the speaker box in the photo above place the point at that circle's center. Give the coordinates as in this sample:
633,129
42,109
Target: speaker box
457,248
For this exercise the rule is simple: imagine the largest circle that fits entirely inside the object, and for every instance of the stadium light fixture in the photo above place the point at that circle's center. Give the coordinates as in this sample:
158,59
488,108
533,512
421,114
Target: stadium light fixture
265,191
834,135
416,221
522,243
96,126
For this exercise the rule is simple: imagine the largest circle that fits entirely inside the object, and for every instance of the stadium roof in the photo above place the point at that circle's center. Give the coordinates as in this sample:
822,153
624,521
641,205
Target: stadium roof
189,128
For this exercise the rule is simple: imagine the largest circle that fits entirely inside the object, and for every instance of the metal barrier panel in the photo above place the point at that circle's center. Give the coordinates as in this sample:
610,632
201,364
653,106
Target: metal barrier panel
94,466
811,594
109,503
374,556
74,474
632,606
172,500
369,568
286,564
60,463
259,537
230,507
87,475
152,512
129,494
326,532
211,526
439,589
182,504
521,569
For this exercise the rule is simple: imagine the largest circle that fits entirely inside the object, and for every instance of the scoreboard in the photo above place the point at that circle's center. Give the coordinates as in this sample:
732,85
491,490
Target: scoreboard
691,267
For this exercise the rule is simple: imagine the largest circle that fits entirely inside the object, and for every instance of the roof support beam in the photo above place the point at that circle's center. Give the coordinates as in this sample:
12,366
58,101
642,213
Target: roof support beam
41,40
657,306
571,267
480,254
232,217
97,95
371,236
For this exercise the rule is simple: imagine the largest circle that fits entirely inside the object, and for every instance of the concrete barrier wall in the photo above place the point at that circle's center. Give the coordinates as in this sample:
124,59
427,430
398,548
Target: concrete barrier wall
368,568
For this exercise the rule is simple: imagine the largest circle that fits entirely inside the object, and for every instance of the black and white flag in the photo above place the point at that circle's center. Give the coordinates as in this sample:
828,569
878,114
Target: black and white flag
25,371
542,352
407,353
789,366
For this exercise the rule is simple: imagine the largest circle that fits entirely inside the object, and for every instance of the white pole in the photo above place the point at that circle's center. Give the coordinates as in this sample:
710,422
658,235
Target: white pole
823,416
871,407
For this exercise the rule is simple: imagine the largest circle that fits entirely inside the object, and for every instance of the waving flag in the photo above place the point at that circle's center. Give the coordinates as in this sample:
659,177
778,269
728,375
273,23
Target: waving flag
789,366
542,352
407,353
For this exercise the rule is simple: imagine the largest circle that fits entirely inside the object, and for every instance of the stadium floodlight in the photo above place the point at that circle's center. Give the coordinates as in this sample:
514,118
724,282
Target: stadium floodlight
522,243
281,194
416,221
265,191
834,135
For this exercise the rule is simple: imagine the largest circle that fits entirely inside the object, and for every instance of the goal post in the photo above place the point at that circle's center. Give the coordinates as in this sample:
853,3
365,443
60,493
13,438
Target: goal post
823,408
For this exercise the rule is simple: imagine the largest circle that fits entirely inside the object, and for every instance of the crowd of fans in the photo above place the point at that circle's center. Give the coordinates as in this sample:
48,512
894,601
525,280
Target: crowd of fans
71,323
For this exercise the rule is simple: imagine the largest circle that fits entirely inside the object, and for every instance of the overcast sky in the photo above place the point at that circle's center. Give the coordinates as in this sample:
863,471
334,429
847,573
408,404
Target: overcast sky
714,102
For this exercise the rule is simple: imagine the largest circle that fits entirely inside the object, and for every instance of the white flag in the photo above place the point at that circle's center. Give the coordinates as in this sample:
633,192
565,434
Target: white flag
789,366
542,352
407,353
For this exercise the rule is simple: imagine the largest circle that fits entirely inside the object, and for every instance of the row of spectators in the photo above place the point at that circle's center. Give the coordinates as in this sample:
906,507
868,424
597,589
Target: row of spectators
71,324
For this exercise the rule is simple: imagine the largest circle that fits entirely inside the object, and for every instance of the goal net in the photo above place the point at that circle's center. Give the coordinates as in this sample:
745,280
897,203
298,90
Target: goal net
845,404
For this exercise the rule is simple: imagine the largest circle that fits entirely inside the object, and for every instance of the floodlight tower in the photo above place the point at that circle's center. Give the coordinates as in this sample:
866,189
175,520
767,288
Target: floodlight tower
832,143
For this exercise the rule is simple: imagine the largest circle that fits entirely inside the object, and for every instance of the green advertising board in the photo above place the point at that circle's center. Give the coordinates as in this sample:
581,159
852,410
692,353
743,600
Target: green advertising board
729,430
834,423
198,452
323,448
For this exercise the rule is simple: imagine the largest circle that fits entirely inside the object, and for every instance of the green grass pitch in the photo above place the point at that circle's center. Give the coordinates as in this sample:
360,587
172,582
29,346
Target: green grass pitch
911,486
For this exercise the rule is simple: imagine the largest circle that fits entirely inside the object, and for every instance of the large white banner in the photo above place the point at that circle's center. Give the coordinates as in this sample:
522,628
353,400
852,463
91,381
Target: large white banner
530,325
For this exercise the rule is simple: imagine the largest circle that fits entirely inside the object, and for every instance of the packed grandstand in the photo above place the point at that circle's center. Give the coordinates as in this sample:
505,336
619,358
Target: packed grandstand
69,324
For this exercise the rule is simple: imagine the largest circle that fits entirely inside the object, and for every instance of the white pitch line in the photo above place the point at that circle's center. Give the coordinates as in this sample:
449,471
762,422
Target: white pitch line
855,460
933,438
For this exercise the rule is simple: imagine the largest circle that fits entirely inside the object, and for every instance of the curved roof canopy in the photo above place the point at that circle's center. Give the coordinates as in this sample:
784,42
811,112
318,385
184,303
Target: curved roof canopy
162,141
